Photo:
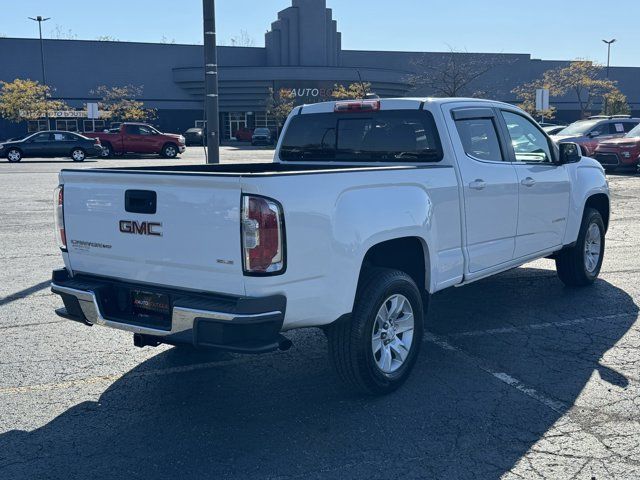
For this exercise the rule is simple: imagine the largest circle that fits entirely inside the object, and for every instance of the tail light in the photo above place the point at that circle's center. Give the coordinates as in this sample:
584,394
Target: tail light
357,106
58,217
262,236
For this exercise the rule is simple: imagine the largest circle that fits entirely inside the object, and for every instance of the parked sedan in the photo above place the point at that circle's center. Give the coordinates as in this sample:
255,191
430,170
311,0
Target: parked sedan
51,144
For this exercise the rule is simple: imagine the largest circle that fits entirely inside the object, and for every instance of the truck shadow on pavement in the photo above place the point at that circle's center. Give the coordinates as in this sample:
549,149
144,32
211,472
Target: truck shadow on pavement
283,415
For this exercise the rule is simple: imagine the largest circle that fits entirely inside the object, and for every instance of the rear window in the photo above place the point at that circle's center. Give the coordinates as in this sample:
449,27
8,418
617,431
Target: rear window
382,136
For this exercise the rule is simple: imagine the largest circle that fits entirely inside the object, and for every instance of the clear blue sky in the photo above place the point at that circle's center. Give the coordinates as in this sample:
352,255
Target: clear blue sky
548,29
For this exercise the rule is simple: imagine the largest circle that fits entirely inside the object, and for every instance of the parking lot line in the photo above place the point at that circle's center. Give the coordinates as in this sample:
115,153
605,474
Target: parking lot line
547,401
539,326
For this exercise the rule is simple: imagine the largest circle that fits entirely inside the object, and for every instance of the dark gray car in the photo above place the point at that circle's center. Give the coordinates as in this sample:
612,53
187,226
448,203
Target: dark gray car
262,136
51,144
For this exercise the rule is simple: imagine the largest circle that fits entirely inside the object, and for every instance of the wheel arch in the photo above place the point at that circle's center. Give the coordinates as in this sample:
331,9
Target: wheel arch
600,202
408,254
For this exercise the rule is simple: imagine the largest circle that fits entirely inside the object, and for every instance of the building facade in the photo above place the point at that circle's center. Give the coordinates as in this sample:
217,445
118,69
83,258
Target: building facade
303,53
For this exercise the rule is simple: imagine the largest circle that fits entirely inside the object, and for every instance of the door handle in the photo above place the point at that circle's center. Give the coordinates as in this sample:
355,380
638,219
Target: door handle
478,184
528,182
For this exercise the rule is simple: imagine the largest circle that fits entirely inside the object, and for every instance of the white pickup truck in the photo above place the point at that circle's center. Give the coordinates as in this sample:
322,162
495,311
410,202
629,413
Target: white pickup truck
369,207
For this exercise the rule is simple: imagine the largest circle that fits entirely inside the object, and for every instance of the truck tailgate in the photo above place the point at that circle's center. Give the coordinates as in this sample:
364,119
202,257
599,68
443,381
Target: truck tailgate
192,240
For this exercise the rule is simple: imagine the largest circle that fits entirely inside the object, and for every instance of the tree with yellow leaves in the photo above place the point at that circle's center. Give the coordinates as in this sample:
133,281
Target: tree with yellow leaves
25,99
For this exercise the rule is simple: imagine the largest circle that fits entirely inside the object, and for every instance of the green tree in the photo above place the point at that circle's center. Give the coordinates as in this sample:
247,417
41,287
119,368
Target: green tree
615,103
279,105
352,92
122,104
25,99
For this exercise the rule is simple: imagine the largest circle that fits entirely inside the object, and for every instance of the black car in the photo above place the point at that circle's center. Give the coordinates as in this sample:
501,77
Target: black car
51,144
262,136
195,136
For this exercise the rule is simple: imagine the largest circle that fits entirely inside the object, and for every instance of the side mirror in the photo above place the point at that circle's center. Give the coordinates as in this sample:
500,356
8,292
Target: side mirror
569,153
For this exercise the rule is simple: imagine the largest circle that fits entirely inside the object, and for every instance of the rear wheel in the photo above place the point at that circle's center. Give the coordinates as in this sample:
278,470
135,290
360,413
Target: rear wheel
580,265
375,350
170,151
78,155
14,155
107,151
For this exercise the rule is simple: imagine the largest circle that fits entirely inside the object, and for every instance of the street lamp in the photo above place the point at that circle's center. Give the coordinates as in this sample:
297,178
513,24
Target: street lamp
609,43
40,19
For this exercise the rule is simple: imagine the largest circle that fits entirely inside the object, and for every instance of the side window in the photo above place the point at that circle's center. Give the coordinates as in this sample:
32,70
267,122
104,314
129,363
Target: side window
600,130
529,143
145,130
616,128
132,129
628,126
42,137
479,138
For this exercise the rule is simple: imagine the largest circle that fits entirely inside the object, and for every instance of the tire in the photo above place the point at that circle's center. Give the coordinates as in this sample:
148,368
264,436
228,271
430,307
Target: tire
78,155
107,151
14,155
170,150
580,265
357,357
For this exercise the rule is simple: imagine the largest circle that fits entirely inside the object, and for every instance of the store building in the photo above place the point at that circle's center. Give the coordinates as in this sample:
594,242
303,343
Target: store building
303,52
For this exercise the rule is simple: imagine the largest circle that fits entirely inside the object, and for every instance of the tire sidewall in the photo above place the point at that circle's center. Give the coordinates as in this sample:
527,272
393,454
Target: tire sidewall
384,381
592,217
107,151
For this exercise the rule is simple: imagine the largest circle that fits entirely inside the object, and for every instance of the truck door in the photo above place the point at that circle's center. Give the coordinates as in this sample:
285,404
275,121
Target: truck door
138,139
544,186
490,188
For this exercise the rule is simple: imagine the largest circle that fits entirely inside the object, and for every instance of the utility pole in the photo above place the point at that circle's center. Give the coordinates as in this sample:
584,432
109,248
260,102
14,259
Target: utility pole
609,43
40,19
211,81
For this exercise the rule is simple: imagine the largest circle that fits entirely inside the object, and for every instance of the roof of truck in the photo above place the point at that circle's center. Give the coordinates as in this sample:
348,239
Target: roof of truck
395,103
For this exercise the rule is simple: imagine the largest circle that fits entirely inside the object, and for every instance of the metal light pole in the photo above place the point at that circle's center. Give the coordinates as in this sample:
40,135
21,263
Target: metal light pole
40,19
609,43
211,81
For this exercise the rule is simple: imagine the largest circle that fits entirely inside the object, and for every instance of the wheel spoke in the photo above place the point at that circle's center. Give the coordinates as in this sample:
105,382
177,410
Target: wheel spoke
404,323
400,349
376,344
385,359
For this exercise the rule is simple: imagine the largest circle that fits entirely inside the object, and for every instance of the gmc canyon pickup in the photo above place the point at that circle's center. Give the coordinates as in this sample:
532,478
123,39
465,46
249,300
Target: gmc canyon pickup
369,208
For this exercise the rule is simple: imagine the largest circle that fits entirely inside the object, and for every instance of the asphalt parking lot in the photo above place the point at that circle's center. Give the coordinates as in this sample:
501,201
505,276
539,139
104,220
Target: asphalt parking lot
519,377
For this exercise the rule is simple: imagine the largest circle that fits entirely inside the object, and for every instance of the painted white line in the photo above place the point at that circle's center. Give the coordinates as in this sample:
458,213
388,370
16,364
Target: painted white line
553,404
539,326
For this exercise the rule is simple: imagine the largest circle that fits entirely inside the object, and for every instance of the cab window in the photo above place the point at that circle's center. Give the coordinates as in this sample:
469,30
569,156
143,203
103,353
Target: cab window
480,139
41,138
529,143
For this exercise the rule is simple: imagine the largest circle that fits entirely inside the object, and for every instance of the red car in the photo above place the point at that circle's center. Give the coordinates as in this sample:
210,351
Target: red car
243,134
590,133
620,152
139,138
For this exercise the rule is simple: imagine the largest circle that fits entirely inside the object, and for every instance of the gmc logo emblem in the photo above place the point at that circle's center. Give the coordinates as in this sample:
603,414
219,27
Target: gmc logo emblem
141,228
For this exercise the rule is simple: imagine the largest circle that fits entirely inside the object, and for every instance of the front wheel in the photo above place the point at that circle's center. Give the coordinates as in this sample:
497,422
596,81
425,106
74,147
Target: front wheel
375,349
580,265
170,151
107,151
14,155
78,155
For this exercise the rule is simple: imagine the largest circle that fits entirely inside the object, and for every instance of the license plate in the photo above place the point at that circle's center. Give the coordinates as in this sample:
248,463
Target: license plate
151,304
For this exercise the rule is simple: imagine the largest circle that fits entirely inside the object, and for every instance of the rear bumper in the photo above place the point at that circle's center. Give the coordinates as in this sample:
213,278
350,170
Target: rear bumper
239,324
